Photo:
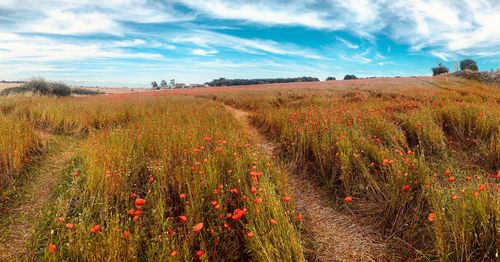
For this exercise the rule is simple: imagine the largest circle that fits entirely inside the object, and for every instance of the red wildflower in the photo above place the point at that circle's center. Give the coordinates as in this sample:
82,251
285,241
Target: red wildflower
447,172
182,196
52,248
454,197
482,187
199,253
173,253
406,188
348,199
253,190
273,221
126,234
299,217
95,228
198,228
183,219
140,201
69,226
451,179
250,234
257,200
286,199
238,213
431,217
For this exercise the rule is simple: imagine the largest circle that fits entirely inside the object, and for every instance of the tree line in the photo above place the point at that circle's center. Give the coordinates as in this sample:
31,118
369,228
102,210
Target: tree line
238,82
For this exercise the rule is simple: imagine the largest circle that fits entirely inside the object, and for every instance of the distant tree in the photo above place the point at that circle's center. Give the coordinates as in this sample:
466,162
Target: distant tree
468,64
440,69
237,82
350,77
154,85
330,78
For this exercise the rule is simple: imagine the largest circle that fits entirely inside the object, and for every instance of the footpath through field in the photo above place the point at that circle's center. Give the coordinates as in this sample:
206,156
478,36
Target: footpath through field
18,222
330,235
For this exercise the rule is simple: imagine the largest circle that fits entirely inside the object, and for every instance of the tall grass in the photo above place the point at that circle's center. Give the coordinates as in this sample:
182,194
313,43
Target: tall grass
186,158
18,143
391,151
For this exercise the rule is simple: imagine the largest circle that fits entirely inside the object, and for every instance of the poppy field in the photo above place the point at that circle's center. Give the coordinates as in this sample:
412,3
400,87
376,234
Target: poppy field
174,176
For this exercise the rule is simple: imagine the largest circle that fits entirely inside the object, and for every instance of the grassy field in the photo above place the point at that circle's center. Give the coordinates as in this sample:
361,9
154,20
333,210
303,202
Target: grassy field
174,175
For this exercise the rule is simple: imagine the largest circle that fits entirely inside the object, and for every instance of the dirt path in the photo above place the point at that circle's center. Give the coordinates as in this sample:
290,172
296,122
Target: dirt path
332,235
18,222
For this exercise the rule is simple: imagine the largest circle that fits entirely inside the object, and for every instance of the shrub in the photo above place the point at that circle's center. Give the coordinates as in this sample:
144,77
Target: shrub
330,78
440,69
349,77
468,64
40,86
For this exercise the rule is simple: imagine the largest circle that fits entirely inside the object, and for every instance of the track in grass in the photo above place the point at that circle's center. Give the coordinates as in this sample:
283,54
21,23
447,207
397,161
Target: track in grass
19,221
330,235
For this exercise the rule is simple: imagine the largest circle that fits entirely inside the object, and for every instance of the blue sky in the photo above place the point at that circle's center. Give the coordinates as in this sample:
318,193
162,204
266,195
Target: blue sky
132,42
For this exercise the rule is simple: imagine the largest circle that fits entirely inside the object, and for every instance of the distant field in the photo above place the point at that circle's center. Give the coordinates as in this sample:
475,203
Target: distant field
107,90
8,85
386,169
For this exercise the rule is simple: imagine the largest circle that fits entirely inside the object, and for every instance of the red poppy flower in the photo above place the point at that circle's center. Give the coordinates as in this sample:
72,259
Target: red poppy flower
406,188
95,228
182,196
273,221
250,234
238,213
257,200
454,197
126,234
199,253
348,199
69,226
198,228
286,199
173,253
183,219
451,179
299,217
431,217
52,248
482,187
140,201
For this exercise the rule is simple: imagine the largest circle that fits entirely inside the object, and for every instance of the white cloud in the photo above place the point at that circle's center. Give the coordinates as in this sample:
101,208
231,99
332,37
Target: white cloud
347,43
464,27
204,52
84,16
70,23
207,39
37,48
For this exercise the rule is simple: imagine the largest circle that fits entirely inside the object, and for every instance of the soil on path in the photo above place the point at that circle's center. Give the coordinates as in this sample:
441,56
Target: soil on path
330,234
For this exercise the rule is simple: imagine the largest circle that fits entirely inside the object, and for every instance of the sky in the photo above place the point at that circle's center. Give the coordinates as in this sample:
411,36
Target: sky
133,42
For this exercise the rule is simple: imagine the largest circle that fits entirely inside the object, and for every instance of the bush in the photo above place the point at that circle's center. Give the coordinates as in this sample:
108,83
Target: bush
40,86
440,69
350,77
330,78
468,64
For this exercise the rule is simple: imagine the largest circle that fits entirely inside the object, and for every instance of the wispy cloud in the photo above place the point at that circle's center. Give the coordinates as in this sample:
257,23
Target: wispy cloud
347,43
208,39
204,52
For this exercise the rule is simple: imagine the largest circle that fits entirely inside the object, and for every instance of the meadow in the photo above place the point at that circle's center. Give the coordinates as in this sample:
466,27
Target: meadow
175,175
